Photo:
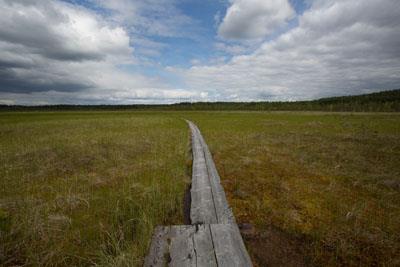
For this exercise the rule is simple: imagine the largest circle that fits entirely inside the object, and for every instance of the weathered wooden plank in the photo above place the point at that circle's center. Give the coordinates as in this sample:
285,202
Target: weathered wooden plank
181,249
202,210
159,248
204,246
228,243
214,239
181,245
228,246
222,210
202,206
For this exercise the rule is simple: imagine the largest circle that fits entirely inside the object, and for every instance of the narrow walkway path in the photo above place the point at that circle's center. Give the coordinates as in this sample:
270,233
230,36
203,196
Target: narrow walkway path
213,238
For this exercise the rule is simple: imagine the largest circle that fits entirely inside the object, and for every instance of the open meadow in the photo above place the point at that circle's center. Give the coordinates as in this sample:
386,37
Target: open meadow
320,188
79,189
87,188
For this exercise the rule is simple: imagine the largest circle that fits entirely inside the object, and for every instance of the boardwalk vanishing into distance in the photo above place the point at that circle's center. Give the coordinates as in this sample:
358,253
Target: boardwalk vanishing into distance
213,238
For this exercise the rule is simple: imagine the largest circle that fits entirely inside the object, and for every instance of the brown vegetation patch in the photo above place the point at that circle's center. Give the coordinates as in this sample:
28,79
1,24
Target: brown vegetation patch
324,186
275,248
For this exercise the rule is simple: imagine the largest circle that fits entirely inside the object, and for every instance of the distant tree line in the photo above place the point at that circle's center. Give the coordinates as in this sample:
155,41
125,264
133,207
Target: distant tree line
387,101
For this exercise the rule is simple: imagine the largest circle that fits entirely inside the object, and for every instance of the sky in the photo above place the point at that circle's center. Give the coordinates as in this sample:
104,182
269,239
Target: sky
167,51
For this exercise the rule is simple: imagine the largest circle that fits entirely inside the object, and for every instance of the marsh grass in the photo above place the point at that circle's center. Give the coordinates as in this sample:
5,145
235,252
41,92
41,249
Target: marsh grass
88,188
330,180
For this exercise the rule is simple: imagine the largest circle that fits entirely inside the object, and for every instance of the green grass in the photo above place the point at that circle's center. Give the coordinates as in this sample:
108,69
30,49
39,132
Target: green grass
330,180
86,188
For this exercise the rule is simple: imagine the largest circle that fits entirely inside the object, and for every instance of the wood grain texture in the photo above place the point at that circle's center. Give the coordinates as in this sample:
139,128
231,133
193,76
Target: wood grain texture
182,245
204,246
228,246
181,248
228,243
203,207
213,239
159,248
222,210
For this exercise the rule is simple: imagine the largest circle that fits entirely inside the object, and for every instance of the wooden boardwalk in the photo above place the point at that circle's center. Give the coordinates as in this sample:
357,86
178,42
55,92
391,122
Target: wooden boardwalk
213,238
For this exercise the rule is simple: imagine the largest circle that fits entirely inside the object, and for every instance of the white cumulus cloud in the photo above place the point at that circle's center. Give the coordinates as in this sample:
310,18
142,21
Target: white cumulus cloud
253,19
339,47
52,51
55,52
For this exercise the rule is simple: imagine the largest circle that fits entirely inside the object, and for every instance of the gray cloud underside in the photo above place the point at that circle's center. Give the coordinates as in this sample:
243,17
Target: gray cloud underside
53,52
36,32
56,52
32,52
